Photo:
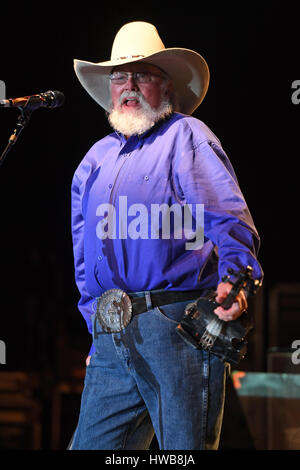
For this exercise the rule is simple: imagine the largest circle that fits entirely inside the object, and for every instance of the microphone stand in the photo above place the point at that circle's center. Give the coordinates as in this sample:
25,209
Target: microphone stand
22,122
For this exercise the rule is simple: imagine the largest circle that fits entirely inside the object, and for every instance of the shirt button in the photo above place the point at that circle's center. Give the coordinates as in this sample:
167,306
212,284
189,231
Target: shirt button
110,186
146,177
100,258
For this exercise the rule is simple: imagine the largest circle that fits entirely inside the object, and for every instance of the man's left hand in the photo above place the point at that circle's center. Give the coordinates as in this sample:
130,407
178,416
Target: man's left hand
238,307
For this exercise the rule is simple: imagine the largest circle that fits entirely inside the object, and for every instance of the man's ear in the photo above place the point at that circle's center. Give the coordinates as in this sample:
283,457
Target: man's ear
169,88
170,94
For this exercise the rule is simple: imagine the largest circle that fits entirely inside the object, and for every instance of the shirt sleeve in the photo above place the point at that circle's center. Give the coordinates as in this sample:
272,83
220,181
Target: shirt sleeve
85,304
204,175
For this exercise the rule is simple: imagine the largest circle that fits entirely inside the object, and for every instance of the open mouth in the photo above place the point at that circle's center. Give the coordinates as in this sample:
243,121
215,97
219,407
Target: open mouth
130,102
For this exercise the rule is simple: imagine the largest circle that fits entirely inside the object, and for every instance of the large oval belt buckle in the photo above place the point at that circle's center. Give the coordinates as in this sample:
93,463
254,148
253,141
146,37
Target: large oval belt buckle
114,310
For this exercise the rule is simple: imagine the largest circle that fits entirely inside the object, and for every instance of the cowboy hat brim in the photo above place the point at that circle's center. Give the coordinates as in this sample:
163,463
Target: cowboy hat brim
187,69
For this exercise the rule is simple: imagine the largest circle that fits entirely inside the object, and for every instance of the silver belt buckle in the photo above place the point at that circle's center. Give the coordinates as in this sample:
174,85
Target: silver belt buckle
114,310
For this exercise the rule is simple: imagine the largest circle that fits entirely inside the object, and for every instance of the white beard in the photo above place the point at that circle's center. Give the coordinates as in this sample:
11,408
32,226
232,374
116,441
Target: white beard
138,121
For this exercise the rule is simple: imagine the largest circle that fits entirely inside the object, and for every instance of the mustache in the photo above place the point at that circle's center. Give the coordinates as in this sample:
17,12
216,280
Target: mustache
133,94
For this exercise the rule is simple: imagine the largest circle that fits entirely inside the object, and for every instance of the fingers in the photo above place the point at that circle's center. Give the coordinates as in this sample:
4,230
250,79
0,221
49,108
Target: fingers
223,290
230,314
238,307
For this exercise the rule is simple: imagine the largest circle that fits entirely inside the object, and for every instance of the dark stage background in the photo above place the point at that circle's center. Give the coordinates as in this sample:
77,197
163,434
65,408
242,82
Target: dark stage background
253,55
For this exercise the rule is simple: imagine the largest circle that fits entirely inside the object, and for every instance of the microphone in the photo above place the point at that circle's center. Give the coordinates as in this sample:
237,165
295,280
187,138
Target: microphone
49,99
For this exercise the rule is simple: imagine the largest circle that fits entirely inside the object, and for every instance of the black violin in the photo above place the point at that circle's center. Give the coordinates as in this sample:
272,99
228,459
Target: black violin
202,329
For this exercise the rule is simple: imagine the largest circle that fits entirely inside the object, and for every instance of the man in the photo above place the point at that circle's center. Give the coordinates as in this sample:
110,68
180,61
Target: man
135,199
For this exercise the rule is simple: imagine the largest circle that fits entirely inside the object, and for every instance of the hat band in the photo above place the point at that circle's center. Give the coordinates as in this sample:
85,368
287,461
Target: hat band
130,57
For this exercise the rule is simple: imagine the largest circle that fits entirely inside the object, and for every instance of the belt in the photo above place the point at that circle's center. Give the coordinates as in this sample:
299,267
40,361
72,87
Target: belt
139,304
115,308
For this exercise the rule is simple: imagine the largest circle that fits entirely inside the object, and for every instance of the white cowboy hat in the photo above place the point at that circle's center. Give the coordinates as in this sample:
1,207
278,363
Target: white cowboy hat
140,42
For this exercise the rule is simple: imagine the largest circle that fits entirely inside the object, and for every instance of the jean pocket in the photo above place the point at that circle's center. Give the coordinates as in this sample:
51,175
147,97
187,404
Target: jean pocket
92,358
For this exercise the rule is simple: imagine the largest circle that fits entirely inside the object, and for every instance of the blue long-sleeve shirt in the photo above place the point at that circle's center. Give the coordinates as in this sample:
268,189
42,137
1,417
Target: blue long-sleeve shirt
119,241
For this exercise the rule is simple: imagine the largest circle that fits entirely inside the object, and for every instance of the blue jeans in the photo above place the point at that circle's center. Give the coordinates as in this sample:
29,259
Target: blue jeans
146,379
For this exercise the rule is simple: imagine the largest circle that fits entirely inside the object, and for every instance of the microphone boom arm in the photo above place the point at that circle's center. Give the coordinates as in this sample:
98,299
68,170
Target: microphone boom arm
26,105
22,122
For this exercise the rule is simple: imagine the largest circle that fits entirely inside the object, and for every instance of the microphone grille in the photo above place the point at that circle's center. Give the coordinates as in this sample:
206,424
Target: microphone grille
54,99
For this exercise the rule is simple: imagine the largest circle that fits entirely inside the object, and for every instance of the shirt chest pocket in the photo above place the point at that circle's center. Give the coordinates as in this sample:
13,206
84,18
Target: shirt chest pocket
146,188
147,179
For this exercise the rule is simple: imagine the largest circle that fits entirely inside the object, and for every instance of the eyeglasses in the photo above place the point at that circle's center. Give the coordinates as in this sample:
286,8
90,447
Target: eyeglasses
119,78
